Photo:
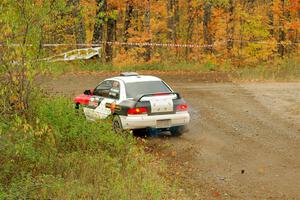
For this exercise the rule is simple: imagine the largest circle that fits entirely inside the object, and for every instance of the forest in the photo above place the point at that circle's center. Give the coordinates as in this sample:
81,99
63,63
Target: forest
238,31
227,29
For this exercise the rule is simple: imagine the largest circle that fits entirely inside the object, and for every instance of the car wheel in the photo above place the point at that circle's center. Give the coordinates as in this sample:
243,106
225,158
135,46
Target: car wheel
77,105
178,130
117,124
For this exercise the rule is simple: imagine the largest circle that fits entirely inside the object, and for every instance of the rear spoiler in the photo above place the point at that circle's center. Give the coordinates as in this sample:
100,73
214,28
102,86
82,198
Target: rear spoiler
139,97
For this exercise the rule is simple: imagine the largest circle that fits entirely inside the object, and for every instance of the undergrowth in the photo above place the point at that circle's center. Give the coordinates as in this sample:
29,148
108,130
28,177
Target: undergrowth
57,154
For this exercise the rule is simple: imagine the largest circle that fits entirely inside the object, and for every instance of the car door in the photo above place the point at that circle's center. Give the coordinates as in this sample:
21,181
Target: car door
106,92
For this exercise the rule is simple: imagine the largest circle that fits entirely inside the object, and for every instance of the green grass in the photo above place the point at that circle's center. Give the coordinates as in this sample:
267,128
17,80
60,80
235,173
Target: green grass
287,69
95,66
58,154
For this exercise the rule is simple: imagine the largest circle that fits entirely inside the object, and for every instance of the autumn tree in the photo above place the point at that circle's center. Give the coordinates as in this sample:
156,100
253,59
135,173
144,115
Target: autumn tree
281,32
230,26
128,20
294,23
192,12
270,15
77,15
25,27
207,34
147,55
98,33
173,19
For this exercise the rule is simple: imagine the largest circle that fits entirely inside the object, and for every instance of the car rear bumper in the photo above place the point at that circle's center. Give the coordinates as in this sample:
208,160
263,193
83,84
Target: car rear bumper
153,121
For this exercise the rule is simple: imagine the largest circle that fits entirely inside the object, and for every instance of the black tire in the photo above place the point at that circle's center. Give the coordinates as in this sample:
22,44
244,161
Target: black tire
77,105
117,124
178,130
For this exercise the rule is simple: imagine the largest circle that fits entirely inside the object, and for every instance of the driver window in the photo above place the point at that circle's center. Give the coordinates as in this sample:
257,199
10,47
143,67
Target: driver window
103,89
114,92
108,89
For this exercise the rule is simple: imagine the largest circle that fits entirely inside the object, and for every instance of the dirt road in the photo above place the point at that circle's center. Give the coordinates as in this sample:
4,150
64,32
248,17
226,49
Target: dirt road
243,143
244,140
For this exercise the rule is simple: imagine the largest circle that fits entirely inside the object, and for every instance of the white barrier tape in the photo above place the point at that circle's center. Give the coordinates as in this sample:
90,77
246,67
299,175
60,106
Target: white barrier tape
119,44
160,44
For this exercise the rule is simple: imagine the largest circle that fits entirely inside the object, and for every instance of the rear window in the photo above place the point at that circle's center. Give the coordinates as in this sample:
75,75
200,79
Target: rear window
137,88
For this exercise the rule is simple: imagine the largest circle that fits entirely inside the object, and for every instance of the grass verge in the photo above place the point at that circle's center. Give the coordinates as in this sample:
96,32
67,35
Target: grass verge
287,69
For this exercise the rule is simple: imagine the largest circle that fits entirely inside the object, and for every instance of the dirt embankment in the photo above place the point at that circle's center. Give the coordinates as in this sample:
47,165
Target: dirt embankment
244,139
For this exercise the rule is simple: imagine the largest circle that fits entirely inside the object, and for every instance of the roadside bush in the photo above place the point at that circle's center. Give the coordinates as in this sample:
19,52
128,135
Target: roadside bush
57,154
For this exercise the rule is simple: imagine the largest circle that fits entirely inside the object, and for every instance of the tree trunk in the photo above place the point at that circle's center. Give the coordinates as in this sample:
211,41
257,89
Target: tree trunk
147,55
271,18
173,19
207,35
128,19
176,25
230,27
190,29
281,38
79,28
80,31
170,18
98,34
111,35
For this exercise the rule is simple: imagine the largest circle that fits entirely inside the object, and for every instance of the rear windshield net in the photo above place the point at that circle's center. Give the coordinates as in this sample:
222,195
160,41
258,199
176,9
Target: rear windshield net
137,88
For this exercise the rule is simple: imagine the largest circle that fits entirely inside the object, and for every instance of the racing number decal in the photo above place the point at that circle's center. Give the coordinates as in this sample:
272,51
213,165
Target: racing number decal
161,105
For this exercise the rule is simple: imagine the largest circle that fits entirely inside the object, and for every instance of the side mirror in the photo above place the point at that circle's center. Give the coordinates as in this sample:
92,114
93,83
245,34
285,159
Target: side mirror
87,92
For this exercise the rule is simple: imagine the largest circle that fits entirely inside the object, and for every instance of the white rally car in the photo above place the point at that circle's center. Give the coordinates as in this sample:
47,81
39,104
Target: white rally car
136,102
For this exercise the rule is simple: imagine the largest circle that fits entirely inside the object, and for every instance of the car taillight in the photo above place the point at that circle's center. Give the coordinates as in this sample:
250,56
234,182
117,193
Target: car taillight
137,111
182,107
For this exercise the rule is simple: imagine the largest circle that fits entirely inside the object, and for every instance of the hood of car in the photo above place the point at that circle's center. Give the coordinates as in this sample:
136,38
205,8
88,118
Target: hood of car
82,99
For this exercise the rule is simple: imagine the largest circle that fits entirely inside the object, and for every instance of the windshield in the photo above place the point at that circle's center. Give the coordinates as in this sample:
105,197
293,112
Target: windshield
137,88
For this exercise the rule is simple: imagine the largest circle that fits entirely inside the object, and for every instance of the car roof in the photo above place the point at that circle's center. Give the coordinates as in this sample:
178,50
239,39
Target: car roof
139,78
